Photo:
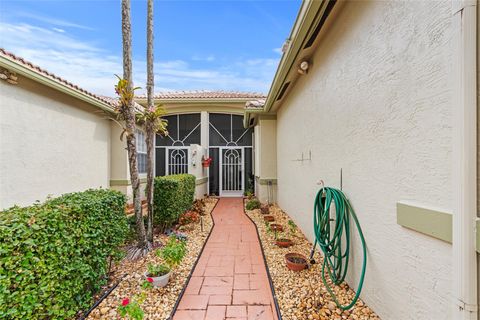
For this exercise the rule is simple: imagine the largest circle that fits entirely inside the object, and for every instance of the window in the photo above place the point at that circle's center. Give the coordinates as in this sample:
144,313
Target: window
141,151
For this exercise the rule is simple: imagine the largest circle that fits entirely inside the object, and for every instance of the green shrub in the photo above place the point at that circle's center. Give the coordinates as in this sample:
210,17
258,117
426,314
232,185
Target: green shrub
253,204
53,256
173,195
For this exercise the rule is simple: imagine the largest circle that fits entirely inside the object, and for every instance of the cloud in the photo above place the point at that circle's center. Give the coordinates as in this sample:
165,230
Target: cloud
278,50
52,21
208,58
93,68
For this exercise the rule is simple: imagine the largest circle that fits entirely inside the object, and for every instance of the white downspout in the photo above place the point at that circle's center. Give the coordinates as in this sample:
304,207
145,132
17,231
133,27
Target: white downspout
464,160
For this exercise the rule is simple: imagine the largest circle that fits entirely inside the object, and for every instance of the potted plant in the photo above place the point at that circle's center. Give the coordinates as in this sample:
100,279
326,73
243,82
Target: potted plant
173,253
269,218
285,242
206,161
295,261
265,209
276,227
159,273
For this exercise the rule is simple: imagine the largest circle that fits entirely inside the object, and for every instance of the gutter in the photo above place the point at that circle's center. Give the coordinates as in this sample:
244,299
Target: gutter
26,72
310,14
465,292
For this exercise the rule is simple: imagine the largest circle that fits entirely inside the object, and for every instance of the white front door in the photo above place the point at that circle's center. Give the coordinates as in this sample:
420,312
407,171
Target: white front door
231,172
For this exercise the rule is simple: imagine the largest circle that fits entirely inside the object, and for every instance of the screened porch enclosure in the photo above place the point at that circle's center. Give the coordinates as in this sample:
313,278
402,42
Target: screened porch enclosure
228,143
230,147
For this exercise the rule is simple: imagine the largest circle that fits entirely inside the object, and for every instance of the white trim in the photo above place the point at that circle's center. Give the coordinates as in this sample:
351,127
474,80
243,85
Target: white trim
464,161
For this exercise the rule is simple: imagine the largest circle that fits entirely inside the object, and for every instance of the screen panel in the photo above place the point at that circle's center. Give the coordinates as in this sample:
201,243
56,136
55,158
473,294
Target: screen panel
249,178
159,162
228,130
183,130
213,178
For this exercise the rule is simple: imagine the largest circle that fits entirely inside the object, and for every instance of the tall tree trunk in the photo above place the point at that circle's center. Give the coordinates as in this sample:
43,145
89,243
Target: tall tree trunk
149,125
130,124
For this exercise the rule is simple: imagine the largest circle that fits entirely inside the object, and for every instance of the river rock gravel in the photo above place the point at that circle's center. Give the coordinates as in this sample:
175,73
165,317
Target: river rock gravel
159,302
302,295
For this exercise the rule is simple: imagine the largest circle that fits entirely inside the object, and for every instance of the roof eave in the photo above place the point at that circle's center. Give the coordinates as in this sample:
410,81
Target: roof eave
26,72
310,14
195,100
307,14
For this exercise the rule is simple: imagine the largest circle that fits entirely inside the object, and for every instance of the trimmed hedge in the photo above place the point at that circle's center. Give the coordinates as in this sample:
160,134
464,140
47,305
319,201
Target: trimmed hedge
53,256
172,196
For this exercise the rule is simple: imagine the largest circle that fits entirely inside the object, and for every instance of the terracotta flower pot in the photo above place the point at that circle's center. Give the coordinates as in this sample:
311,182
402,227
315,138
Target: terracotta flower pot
295,261
265,209
276,227
284,243
268,218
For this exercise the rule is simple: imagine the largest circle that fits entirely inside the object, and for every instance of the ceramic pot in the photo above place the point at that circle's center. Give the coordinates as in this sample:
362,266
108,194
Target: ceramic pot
161,281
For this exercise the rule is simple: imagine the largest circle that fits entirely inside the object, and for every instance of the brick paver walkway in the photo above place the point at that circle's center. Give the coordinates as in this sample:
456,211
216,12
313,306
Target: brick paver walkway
230,280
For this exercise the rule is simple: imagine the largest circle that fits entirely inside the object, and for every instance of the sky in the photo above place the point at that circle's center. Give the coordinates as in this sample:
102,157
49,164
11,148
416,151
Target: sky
199,45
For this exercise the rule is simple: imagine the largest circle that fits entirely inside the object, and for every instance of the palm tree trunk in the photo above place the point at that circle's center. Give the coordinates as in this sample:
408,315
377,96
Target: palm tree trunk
131,124
149,125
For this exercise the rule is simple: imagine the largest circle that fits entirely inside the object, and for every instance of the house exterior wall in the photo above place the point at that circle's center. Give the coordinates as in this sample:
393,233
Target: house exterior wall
265,159
377,102
50,144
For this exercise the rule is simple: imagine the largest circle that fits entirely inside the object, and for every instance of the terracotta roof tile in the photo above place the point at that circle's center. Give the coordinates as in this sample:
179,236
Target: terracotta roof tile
205,94
255,104
174,95
10,56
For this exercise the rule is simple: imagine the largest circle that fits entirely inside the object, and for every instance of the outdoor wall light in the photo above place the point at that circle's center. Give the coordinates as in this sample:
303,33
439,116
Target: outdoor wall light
303,67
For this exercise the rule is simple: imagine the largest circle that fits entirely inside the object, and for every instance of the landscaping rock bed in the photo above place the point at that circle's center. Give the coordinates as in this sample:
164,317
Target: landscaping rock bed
302,295
159,302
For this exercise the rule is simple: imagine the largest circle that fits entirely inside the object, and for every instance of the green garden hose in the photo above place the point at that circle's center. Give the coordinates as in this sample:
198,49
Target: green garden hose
336,255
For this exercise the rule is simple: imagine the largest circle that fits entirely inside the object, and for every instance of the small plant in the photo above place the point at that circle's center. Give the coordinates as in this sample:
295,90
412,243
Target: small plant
249,194
188,217
292,227
253,204
157,270
267,226
199,206
148,283
174,252
131,309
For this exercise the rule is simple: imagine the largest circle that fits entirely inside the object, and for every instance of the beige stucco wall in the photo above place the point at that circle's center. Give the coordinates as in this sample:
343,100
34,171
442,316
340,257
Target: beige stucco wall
377,102
265,136
50,144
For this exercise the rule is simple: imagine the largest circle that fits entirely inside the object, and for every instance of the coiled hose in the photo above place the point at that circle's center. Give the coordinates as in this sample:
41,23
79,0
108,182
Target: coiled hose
336,255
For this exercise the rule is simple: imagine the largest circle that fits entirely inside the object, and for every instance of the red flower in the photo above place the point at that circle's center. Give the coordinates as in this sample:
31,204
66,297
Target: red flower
125,302
150,280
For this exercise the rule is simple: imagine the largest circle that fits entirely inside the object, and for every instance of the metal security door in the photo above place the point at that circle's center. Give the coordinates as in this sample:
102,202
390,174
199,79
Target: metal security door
176,160
231,172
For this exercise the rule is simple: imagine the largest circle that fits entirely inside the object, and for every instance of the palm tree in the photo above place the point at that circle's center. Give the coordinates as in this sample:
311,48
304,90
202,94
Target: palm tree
149,125
127,111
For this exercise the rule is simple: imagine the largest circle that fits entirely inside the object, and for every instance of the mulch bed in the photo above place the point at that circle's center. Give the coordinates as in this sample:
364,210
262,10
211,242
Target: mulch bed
302,295
159,302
